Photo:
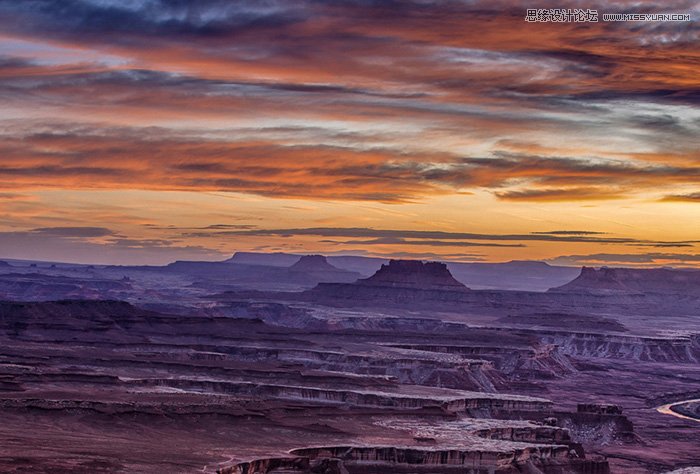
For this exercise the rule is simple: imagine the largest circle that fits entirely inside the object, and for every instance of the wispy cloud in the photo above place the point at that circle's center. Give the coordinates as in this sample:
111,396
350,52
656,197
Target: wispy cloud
437,238
351,103
324,62
428,242
560,194
690,197
155,159
74,232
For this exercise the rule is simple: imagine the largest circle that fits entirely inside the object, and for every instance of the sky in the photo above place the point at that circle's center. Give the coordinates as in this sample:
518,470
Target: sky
147,131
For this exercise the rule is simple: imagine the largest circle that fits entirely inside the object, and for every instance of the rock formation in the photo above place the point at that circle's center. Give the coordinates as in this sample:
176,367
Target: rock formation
634,281
406,371
313,263
433,276
400,282
97,366
513,275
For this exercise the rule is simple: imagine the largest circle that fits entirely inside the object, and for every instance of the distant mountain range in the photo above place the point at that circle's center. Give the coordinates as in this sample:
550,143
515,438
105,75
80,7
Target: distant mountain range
365,266
526,275
295,272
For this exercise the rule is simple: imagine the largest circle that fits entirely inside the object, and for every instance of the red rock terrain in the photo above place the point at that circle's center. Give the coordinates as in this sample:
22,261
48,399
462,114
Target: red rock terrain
407,371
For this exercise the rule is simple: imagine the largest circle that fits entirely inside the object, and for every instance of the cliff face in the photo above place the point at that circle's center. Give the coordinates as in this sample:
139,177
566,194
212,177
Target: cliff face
678,349
76,314
634,281
375,459
399,283
414,274
41,287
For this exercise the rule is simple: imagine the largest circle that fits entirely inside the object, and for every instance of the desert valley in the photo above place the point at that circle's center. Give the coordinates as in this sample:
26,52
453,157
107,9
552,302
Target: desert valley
279,363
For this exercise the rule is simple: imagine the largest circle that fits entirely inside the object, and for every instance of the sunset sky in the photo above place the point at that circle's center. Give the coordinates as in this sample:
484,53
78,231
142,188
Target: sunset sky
145,131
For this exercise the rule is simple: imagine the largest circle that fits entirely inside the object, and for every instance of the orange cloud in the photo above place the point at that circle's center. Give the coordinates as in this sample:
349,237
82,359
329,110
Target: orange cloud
345,101
112,158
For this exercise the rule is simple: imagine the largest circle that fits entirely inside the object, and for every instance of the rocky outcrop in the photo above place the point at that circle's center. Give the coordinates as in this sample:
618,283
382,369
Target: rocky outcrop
376,459
591,424
683,349
398,398
264,466
515,363
431,456
599,424
402,365
527,434
433,276
457,445
634,281
598,408
400,282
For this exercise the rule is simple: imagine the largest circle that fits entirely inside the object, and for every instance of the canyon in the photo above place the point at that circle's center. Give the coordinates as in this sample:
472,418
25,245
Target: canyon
325,369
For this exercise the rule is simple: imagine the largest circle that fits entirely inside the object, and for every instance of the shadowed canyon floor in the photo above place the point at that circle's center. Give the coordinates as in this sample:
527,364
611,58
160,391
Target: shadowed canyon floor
406,371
